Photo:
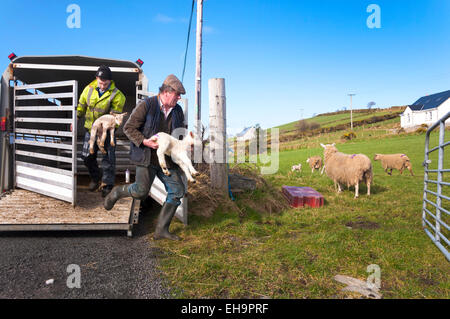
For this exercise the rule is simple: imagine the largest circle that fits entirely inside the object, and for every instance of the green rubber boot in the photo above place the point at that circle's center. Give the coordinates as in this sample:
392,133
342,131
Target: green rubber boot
164,219
117,193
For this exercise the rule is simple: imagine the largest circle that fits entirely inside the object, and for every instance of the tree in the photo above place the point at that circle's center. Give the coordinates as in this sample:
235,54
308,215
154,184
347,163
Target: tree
370,104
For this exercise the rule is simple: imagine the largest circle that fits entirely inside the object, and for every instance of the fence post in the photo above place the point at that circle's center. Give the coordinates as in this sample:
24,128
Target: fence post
218,134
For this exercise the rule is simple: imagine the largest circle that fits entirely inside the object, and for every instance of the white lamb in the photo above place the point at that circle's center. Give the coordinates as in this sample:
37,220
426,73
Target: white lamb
101,126
296,168
177,150
347,169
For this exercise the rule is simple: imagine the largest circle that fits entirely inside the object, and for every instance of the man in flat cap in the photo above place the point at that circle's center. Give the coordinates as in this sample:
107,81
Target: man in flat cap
159,113
100,97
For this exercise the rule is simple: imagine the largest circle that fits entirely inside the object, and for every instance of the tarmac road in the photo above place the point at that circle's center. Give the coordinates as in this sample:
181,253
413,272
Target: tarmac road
111,264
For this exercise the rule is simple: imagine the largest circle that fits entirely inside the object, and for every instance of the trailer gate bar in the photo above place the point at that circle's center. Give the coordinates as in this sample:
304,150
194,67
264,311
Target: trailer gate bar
36,149
433,225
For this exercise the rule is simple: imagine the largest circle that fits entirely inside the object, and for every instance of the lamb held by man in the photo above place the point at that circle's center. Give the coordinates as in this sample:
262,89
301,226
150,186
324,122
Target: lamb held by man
394,161
315,162
177,150
347,169
101,127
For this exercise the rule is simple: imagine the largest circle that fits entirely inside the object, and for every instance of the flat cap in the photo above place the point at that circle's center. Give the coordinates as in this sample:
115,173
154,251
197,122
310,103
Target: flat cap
175,84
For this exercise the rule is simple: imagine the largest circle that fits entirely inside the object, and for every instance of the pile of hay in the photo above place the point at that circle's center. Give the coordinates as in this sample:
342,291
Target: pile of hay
204,200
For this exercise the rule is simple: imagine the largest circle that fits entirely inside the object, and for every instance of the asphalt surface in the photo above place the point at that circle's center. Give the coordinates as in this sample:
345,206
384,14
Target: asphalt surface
111,264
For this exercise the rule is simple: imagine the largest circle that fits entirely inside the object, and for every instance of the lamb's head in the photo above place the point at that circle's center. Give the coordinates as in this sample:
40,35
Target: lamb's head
118,118
189,139
376,157
307,161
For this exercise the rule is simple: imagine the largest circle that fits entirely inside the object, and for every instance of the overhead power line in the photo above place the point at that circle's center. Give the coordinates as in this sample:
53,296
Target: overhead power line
187,41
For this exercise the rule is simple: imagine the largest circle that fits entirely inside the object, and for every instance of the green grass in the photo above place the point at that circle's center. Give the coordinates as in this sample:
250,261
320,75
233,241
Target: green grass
297,253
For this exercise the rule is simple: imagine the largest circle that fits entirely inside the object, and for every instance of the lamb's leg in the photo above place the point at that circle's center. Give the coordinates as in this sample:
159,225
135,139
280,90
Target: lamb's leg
357,190
101,146
111,135
410,170
186,172
312,171
368,187
162,160
191,168
322,170
92,139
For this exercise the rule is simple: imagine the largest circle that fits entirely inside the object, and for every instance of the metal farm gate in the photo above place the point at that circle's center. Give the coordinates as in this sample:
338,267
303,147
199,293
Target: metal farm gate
436,223
45,130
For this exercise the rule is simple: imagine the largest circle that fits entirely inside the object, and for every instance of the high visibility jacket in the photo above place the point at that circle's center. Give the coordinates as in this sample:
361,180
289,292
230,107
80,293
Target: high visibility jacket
92,106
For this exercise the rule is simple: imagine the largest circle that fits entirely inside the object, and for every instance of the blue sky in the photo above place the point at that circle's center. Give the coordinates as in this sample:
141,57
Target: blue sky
277,57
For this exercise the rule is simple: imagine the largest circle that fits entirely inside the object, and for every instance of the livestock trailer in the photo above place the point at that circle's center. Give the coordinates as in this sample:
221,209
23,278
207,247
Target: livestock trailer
40,156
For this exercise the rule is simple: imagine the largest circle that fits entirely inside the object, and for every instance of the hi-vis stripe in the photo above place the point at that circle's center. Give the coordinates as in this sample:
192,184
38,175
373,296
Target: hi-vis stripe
113,95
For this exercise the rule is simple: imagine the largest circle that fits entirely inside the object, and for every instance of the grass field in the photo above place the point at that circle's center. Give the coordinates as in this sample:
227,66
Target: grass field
296,254
336,119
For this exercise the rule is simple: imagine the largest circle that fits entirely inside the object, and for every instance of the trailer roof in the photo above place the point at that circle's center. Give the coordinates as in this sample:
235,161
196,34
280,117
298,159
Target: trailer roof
125,81
74,60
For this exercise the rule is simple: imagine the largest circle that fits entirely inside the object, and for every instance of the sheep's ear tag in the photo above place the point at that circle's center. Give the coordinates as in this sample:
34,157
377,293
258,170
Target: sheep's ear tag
191,134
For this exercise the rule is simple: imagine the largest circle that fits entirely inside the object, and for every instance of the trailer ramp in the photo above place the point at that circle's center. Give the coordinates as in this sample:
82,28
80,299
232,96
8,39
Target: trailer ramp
23,210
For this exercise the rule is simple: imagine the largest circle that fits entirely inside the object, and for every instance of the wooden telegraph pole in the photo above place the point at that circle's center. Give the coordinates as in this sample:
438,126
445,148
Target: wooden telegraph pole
218,135
351,110
198,70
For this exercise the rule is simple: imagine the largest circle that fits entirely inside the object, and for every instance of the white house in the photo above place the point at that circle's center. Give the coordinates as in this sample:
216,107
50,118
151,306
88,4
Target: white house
247,134
426,110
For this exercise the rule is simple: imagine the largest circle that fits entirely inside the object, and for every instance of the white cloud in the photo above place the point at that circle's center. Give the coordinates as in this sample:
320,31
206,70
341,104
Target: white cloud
208,29
163,18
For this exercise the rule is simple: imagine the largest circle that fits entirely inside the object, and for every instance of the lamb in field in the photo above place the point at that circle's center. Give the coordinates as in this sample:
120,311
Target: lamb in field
315,162
296,168
101,127
347,169
394,161
177,150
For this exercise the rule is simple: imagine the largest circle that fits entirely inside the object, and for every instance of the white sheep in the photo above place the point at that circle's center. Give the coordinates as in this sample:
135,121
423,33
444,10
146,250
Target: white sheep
315,162
296,168
394,161
347,169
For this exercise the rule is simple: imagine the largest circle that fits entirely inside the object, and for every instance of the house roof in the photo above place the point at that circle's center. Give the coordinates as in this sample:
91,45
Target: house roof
430,101
244,131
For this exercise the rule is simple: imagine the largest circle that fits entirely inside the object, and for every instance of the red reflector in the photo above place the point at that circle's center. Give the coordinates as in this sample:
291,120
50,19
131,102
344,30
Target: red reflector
12,56
3,124
140,62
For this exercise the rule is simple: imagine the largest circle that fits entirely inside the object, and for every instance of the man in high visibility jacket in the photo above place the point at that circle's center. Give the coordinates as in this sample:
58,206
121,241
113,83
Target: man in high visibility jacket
100,97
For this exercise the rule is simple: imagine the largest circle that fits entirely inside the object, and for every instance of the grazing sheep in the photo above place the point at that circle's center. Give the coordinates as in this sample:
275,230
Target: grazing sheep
315,162
296,168
347,169
394,161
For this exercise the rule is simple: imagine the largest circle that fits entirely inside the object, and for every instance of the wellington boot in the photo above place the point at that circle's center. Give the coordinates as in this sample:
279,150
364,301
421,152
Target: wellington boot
164,219
117,193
